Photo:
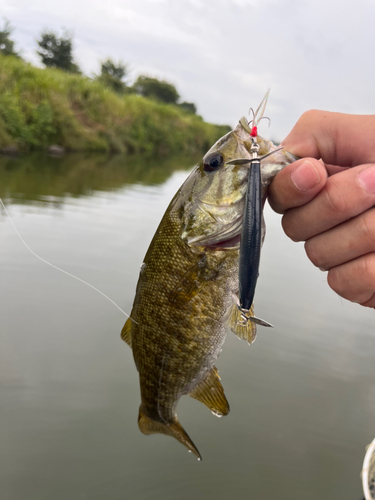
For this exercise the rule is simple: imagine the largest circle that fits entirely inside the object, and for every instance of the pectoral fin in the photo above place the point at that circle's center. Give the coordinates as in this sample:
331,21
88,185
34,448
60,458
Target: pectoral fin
126,332
210,392
174,429
191,283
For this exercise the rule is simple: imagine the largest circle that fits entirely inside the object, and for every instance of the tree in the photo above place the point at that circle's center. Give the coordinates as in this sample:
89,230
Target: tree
6,44
113,75
189,107
57,52
156,89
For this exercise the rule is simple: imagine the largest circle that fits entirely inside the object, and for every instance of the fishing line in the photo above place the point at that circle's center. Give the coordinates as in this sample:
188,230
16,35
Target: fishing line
59,268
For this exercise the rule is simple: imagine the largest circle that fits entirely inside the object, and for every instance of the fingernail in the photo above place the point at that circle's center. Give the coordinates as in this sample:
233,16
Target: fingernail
366,179
306,176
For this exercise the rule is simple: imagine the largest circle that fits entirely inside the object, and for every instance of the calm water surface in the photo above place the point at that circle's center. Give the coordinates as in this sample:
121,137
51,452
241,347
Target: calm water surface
302,397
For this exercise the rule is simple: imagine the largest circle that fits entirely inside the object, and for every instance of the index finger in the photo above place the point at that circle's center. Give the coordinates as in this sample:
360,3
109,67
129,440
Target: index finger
344,196
337,138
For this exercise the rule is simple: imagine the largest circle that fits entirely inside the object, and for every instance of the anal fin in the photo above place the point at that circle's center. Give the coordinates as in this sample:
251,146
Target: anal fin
210,392
126,332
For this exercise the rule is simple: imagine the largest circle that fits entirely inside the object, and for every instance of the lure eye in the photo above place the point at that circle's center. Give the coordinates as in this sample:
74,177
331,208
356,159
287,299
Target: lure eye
213,162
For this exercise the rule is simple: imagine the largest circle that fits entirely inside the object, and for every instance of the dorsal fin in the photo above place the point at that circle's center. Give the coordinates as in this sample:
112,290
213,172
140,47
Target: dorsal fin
174,429
126,332
210,392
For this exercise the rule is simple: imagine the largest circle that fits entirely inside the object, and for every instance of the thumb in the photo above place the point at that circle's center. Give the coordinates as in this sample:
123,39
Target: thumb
297,184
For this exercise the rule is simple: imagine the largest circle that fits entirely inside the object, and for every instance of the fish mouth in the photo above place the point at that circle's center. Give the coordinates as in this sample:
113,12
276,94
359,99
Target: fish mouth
226,244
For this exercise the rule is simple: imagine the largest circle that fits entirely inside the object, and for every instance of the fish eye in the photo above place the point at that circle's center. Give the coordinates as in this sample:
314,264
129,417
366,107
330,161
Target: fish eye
213,162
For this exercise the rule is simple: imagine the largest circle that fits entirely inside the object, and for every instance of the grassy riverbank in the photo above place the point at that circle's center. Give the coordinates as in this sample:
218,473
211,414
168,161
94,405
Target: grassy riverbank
40,107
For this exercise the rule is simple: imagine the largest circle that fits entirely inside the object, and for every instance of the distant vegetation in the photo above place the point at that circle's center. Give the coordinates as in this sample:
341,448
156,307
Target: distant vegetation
161,91
114,76
40,107
59,105
57,52
6,43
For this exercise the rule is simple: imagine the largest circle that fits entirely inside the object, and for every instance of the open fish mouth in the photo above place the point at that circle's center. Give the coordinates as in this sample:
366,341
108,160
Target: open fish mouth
227,237
227,244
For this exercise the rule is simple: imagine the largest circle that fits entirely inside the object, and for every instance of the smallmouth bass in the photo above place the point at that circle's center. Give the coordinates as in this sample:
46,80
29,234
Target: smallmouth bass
187,292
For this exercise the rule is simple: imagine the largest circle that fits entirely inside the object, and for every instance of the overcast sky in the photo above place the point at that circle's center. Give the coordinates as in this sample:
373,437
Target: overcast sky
223,54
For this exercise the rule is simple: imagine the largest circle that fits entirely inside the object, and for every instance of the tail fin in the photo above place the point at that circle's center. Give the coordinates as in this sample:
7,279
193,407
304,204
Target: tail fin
174,429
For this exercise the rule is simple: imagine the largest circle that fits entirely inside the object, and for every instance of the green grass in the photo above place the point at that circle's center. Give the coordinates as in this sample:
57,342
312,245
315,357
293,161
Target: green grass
40,107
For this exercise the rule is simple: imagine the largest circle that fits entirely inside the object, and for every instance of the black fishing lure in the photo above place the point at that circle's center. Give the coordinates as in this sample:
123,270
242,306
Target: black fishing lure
251,234
251,237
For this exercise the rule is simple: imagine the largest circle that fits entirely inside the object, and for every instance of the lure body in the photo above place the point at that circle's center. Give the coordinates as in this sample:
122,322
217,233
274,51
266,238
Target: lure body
251,234
251,238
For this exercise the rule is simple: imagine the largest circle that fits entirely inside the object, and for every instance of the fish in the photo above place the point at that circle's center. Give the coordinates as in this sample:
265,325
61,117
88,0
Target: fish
187,293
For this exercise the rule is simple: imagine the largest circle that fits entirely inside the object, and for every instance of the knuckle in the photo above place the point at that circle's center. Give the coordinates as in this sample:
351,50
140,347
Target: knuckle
334,200
310,116
313,253
366,226
289,226
334,281
354,281
276,207
368,269
369,302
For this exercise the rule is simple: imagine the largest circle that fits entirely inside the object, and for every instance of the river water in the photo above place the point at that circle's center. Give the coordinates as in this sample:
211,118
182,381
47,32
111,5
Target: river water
302,396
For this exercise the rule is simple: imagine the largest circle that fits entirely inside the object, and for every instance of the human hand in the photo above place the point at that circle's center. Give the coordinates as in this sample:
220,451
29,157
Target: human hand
329,205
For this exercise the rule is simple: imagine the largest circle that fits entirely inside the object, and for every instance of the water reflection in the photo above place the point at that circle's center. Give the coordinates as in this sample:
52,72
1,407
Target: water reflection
302,397
40,177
